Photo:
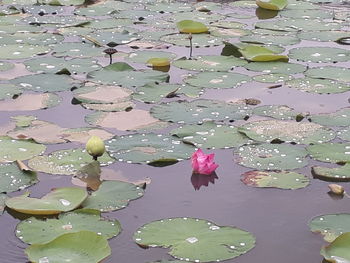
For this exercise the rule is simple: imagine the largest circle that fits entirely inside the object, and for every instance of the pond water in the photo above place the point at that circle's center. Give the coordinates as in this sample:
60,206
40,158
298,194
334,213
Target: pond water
277,218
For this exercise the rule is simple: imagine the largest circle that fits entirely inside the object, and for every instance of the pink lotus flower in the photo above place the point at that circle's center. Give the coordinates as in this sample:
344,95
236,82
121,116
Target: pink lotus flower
203,163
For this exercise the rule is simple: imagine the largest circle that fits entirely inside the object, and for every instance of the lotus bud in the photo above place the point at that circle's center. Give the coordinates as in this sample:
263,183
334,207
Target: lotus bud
336,189
95,147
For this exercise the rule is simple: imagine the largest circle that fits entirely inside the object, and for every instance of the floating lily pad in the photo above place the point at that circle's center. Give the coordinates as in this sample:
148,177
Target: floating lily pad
190,26
57,65
65,162
330,152
195,240
148,148
80,247
153,93
144,56
113,195
31,39
8,91
57,201
243,4
211,135
209,63
272,78
12,29
217,80
82,135
77,50
172,7
127,78
30,102
35,231
12,178
4,66
198,40
272,4
12,150
320,86
338,174
44,82
338,250
199,111
307,13
281,112
344,134
319,54
338,118
21,51
300,24
329,72
56,21
109,107
3,198
114,37
271,156
276,67
99,94
323,36
109,23
288,131
127,120
196,16
330,226
259,53
275,179
227,32
284,40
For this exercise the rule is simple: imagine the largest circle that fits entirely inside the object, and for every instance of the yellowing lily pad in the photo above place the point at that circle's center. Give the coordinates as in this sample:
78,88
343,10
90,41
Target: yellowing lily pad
57,201
258,53
272,4
190,26
158,62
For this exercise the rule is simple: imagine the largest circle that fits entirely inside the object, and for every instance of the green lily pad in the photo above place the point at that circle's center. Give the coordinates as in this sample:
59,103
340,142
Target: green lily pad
12,150
77,50
199,111
198,40
127,120
113,195
276,67
344,134
228,32
65,162
270,39
109,23
217,80
30,39
338,118
56,21
338,174
329,72
323,36
13,29
271,156
148,148
21,51
195,240
153,93
35,231
330,226
272,78
320,86
172,7
80,247
190,26
259,53
211,135
330,152
143,56
13,179
44,82
319,54
338,250
209,63
299,24
196,16
280,112
8,91
288,131
30,102
307,13
4,66
275,179
3,198
127,77
243,4
114,37
58,200
57,65
272,4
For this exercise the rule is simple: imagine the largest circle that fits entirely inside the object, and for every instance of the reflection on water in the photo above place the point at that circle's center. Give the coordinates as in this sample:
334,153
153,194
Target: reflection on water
199,180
